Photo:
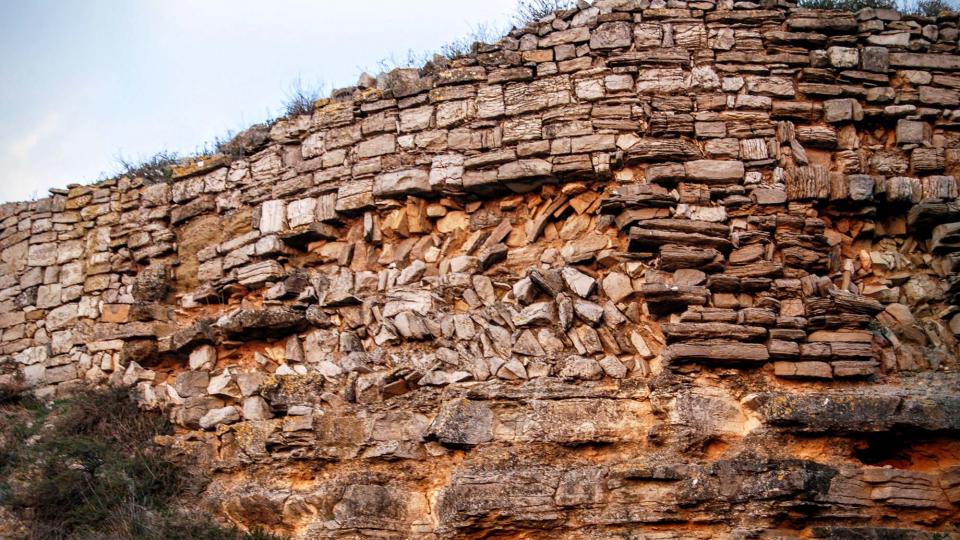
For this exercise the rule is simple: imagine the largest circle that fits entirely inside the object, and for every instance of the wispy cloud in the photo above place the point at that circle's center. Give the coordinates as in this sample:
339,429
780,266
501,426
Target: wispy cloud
21,147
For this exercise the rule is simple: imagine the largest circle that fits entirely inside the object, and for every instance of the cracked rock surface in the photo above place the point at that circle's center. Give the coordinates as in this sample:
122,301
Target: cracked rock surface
637,270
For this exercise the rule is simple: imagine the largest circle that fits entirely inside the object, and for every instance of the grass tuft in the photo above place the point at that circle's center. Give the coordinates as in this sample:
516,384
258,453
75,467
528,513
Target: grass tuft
481,33
925,8
529,11
154,169
243,144
301,99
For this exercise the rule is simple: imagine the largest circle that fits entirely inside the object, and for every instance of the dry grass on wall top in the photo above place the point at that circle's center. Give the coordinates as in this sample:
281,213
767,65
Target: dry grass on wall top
925,8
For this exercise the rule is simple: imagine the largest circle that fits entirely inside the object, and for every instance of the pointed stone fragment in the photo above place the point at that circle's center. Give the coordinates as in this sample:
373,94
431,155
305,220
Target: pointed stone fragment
527,345
617,286
589,312
564,311
578,282
512,370
613,367
538,314
524,291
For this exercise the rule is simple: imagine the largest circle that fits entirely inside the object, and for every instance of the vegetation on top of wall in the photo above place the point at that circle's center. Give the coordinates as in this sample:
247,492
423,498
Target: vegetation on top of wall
87,468
245,143
528,11
154,169
846,5
933,8
926,8
302,99
481,33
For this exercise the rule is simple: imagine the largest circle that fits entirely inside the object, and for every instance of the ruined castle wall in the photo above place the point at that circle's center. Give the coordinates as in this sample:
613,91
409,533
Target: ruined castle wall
634,271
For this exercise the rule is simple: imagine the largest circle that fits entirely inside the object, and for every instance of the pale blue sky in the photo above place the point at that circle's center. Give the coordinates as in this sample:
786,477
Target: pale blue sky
85,81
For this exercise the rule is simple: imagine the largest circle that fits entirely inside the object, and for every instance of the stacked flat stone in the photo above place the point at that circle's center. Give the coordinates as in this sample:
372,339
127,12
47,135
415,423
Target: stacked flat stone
635,265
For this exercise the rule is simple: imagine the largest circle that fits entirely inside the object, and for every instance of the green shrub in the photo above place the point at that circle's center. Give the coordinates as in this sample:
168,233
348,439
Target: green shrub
12,394
87,468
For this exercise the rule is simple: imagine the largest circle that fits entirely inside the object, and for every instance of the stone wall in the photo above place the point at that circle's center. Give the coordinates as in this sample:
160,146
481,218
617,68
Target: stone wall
636,271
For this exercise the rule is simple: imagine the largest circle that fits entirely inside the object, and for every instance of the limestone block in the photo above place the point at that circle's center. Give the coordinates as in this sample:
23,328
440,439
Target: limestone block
843,57
301,212
416,119
572,35
42,255
611,35
377,146
617,286
273,216
192,383
842,110
401,183
256,408
446,171
216,417
710,171
875,59
203,358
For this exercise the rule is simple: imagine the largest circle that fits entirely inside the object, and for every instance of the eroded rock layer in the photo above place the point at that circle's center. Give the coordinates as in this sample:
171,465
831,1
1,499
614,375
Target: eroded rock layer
635,271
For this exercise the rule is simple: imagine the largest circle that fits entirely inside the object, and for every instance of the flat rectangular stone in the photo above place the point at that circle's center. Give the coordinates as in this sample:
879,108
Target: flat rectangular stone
461,75
573,35
537,95
354,195
854,368
725,352
712,171
803,370
832,336
947,62
524,168
377,146
765,196
593,143
405,182
941,97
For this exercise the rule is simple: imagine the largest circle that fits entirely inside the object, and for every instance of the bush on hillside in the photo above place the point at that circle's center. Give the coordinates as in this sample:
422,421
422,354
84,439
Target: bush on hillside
87,468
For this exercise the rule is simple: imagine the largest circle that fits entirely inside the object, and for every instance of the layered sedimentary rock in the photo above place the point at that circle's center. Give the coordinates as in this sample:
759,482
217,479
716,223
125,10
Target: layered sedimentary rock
635,271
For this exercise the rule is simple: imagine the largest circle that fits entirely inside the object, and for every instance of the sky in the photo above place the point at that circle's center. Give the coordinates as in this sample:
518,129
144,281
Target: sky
86,82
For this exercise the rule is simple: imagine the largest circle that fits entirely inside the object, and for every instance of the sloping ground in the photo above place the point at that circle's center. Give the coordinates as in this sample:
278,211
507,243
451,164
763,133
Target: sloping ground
86,468
635,271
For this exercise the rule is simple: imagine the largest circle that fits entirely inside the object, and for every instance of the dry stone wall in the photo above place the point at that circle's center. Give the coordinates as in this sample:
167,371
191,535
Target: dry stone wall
638,270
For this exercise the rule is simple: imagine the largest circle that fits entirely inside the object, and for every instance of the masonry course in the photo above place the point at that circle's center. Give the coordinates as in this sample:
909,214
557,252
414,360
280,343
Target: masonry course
637,270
